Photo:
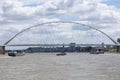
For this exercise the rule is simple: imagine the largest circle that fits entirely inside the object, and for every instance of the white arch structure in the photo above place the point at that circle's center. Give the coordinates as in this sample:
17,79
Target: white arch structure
59,22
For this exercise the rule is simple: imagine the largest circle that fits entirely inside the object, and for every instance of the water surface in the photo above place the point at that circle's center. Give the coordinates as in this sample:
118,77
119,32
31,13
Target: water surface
75,66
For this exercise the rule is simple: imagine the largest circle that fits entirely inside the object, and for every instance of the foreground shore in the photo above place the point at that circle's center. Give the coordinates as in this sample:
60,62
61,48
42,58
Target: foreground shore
44,66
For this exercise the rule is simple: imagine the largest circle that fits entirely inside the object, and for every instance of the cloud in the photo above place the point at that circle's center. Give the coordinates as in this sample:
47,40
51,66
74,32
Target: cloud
99,13
15,11
93,10
20,14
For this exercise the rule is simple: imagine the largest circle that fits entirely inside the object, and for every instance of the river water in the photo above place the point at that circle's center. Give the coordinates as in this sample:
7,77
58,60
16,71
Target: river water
77,66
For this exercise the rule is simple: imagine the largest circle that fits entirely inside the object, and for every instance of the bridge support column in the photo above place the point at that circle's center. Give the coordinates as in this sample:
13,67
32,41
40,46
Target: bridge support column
118,49
2,49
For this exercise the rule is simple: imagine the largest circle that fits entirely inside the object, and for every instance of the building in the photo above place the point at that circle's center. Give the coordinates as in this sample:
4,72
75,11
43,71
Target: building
71,48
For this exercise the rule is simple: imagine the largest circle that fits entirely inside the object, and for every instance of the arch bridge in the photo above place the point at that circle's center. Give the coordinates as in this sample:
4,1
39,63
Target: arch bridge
37,25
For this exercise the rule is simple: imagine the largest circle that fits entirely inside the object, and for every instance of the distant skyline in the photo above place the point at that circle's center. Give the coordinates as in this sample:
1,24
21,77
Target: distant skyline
16,15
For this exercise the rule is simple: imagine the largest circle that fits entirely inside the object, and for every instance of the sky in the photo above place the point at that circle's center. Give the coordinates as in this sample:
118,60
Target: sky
16,15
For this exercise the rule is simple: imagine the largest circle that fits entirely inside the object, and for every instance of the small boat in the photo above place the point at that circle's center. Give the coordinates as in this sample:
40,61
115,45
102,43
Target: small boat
14,53
61,54
97,51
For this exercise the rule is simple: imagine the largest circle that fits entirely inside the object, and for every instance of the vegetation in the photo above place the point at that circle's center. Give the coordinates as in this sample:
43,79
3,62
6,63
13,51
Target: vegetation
112,50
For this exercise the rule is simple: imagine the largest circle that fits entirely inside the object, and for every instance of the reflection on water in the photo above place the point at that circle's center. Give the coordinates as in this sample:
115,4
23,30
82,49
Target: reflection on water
51,67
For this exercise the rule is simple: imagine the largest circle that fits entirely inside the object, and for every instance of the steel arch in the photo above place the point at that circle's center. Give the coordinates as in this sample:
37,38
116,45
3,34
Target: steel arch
60,22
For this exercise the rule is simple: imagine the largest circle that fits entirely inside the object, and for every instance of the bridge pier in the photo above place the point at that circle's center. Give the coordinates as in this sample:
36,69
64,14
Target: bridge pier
2,50
118,49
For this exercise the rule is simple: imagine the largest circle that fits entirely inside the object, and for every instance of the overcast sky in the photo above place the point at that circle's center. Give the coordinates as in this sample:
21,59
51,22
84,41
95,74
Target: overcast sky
16,15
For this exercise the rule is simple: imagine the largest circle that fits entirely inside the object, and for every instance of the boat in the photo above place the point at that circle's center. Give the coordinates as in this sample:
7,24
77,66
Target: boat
15,53
97,51
61,54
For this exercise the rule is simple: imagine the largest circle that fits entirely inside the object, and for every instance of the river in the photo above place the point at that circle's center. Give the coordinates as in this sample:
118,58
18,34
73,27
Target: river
73,66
